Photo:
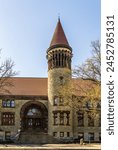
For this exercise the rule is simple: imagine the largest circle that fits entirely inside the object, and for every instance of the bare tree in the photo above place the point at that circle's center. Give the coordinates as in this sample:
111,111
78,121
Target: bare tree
91,68
90,73
6,72
84,90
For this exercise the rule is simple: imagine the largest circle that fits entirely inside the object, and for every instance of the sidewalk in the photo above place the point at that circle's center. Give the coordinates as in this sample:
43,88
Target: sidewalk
50,147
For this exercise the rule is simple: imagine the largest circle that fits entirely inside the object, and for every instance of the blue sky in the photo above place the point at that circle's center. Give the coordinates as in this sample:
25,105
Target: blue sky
27,27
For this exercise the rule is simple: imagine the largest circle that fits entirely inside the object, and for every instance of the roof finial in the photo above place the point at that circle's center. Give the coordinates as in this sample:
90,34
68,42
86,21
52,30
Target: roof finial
58,16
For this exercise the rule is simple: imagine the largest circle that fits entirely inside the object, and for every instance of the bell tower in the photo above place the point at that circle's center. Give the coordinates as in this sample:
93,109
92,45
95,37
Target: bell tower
59,56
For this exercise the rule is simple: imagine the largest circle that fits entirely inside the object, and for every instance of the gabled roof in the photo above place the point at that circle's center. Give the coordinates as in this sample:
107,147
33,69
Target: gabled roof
39,86
29,86
59,37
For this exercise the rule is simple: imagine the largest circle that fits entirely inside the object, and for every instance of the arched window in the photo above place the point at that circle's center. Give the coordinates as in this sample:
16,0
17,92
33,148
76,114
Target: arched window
34,112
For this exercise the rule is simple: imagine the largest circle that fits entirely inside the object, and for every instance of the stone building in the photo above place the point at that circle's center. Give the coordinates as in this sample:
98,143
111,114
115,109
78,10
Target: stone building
34,109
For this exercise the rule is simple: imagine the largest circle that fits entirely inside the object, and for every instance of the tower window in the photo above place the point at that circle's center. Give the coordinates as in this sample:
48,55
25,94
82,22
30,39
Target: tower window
61,80
56,101
61,101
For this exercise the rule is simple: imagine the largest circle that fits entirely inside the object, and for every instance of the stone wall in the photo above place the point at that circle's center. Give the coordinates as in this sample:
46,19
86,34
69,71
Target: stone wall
17,109
53,90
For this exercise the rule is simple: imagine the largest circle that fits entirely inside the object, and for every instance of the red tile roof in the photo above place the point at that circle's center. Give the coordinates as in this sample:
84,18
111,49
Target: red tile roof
39,86
29,86
59,36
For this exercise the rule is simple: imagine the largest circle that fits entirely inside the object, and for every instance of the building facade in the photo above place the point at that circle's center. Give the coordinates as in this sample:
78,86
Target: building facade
35,104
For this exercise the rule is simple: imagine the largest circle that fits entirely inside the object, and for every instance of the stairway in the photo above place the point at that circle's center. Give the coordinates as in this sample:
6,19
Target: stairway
34,137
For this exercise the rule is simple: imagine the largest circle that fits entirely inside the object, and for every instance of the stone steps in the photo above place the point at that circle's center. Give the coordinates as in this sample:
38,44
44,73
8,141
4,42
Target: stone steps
36,138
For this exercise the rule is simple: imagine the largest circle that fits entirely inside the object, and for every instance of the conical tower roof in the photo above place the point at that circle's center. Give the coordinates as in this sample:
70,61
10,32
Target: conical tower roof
59,37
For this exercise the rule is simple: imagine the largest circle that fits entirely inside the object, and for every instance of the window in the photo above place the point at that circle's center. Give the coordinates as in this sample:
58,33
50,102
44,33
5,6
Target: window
8,103
61,134
34,112
61,80
55,118
80,119
7,135
60,101
8,118
90,120
56,101
55,134
91,136
68,134
61,118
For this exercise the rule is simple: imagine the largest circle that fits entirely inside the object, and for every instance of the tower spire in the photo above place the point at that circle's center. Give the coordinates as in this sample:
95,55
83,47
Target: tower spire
59,37
58,16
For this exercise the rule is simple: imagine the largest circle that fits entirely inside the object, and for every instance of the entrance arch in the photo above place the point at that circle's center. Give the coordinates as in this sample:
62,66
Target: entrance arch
34,116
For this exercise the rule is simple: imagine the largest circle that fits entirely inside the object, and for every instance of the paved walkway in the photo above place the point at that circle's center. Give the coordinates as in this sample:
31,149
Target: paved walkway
50,147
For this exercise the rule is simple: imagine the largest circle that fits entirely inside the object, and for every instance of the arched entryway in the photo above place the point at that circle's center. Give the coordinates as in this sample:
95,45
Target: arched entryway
34,116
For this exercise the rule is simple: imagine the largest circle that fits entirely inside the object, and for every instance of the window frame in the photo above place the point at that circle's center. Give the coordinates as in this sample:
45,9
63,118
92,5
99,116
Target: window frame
8,118
55,118
91,136
61,134
80,117
8,103
54,134
61,118
56,101
91,121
